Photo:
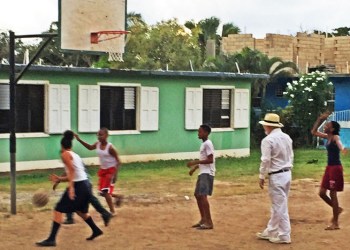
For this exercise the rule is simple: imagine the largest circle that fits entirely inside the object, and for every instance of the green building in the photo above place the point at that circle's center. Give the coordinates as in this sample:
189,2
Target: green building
151,115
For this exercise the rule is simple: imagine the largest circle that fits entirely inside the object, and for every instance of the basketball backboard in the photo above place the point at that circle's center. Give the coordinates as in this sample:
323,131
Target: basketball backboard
79,18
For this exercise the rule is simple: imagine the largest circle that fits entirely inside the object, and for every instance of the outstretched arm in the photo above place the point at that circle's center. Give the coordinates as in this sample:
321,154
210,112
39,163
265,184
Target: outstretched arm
85,144
317,123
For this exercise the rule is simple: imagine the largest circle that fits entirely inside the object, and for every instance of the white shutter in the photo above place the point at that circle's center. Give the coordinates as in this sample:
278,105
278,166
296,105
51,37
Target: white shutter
58,106
149,110
5,96
89,108
241,108
194,108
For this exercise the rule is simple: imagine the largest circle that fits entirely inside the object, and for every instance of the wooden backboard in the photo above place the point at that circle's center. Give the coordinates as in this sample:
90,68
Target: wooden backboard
79,18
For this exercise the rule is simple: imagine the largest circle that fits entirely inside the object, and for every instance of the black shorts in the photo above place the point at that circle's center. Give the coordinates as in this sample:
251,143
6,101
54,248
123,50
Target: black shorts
80,203
204,184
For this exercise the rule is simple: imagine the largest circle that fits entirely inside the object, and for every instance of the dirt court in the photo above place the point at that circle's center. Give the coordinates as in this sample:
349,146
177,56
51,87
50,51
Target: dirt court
164,222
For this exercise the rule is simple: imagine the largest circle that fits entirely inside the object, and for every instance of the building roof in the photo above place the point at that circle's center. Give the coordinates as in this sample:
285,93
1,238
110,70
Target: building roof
206,74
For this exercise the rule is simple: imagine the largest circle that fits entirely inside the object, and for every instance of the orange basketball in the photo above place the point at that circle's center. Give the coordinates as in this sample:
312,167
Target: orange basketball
40,198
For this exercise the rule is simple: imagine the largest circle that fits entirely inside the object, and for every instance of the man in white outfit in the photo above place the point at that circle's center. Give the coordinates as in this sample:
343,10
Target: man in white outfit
276,163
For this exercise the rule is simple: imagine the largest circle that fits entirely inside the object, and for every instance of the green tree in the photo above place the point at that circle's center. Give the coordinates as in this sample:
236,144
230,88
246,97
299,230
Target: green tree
307,99
229,28
166,45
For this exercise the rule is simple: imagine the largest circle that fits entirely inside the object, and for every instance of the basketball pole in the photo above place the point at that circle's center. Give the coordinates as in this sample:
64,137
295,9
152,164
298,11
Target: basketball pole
13,80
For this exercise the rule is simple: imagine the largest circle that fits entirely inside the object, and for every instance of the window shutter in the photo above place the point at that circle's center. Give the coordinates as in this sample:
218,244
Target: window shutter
89,108
4,96
58,116
241,108
149,110
194,108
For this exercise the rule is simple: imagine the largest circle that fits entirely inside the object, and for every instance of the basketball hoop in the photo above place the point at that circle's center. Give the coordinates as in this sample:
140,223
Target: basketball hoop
114,43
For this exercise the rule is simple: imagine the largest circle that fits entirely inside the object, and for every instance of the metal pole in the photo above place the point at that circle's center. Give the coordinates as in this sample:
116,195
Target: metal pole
12,122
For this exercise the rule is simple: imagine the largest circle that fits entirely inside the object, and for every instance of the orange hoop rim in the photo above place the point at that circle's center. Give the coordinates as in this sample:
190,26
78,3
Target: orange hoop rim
95,36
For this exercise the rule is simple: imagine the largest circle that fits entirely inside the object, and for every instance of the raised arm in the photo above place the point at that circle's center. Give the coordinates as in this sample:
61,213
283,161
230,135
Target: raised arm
85,144
317,123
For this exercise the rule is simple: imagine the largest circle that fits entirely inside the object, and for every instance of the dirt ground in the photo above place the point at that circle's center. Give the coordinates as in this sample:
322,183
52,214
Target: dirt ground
163,222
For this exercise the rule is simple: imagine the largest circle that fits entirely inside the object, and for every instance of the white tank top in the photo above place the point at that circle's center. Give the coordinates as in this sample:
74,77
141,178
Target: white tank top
80,173
106,159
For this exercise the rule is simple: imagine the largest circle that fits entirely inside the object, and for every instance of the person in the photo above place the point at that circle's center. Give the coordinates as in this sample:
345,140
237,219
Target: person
109,166
276,162
205,180
333,179
77,195
106,216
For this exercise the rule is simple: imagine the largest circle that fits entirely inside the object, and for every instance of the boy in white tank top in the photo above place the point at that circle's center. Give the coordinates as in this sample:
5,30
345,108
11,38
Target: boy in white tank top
109,165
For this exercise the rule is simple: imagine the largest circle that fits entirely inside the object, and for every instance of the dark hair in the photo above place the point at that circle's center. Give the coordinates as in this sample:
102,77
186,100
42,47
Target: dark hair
206,128
104,129
336,127
67,139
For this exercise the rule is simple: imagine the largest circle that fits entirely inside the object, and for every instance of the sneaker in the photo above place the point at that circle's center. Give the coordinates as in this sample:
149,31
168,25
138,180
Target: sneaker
106,218
278,240
263,236
68,222
46,243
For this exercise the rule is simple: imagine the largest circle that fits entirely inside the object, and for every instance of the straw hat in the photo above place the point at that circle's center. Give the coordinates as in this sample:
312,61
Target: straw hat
272,120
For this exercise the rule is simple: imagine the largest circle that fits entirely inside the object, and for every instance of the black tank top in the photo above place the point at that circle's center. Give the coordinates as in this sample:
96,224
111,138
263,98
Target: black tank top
333,154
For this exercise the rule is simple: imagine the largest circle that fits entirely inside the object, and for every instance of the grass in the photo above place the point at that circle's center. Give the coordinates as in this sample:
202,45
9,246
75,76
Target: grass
172,176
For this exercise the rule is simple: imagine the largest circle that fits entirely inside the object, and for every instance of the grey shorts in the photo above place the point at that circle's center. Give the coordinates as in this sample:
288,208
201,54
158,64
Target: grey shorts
204,184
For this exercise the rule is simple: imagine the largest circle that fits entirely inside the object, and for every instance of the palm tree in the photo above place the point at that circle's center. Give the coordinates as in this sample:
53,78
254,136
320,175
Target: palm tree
209,27
229,28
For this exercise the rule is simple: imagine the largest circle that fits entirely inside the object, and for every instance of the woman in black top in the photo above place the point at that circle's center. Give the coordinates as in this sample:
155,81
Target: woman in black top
333,179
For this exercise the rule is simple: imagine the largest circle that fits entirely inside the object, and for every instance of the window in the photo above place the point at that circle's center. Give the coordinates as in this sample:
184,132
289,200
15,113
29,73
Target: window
40,107
219,107
29,108
119,107
216,107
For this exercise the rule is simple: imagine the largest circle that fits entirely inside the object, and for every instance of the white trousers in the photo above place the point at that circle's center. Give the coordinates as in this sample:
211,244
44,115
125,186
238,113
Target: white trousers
279,223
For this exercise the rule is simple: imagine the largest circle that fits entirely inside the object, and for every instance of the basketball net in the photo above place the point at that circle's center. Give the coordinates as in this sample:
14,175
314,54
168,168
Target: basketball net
114,43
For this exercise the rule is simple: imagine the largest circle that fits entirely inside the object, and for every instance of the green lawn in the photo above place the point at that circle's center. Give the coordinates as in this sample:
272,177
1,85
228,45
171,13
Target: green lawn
172,176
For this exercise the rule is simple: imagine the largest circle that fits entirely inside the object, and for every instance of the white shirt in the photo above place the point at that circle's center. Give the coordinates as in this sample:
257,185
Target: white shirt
79,168
276,152
106,159
207,149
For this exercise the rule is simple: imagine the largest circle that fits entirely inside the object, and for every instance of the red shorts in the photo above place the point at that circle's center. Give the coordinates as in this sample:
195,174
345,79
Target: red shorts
105,182
333,178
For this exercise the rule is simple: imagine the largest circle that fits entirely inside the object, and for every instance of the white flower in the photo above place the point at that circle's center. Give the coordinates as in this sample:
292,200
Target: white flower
308,89
330,83
309,113
323,73
302,84
314,84
284,93
319,78
292,95
310,100
325,103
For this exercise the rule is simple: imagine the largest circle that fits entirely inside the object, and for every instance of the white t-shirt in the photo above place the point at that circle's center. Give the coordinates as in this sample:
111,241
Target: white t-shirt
207,148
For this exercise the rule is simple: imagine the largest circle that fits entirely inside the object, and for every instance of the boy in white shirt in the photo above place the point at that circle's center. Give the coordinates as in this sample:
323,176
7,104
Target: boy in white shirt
205,181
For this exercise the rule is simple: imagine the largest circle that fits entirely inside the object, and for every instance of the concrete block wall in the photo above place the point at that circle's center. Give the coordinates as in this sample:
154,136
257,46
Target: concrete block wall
305,50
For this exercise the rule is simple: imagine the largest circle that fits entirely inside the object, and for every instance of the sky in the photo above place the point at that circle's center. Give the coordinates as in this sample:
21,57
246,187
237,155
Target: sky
256,17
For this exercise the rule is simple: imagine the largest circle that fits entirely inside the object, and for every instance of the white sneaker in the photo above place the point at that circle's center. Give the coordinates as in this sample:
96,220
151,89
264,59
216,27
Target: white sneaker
277,240
263,236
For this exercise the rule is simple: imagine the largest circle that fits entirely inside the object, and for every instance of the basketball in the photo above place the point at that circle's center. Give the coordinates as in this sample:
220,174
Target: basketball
40,198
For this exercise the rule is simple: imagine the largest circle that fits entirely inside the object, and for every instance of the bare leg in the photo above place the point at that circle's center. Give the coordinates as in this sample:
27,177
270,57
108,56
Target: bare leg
200,207
109,201
324,196
206,210
336,209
